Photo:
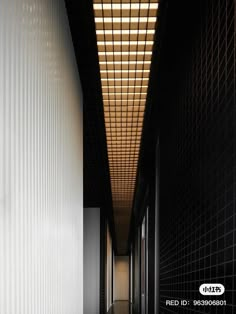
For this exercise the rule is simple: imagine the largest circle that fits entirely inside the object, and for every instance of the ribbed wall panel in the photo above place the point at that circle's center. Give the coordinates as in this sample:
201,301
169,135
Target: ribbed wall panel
41,215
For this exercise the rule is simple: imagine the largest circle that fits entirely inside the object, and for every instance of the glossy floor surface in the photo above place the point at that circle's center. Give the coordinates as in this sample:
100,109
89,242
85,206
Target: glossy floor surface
121,307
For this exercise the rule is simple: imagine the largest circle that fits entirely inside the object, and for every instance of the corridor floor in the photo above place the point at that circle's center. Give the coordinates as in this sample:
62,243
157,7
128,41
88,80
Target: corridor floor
121,307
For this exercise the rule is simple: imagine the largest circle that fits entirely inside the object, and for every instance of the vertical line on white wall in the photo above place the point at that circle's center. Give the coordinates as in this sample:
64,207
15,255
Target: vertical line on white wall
41,220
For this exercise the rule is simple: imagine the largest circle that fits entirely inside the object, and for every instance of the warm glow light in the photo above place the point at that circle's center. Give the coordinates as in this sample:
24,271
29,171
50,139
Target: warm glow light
125,6
123,62
124,79
125,19
124,53
123,43
127,86
125,34
124,71
119,94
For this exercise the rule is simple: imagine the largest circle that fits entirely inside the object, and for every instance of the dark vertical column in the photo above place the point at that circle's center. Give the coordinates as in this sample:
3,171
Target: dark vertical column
151,246
156,232
146,261
133,262
137,291
143,265
112,275
130,276
234,175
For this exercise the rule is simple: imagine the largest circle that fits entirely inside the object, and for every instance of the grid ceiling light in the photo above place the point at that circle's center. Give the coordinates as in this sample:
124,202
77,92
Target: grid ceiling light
125,34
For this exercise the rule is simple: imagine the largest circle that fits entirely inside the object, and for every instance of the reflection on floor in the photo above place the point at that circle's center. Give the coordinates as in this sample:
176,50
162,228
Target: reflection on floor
121,307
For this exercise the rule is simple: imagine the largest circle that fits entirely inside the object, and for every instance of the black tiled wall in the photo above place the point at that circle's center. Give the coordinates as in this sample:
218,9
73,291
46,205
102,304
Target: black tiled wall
197,154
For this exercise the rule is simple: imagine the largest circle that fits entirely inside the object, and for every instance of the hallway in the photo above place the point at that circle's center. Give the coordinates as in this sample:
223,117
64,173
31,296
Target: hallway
121,307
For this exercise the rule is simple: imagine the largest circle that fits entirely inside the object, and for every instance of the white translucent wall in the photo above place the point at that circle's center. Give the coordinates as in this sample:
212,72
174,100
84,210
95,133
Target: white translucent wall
41,212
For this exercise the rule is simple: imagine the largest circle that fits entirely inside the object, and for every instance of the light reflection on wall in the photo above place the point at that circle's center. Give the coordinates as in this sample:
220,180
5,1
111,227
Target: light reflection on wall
109,269
41,234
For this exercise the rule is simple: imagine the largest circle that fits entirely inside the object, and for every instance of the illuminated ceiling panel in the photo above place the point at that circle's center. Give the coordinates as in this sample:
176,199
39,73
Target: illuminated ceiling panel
125,32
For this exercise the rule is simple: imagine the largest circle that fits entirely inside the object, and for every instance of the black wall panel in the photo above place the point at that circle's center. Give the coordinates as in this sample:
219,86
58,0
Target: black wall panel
151,247
197,154
137,292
